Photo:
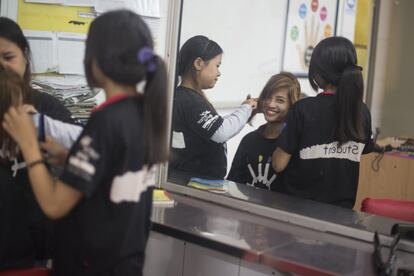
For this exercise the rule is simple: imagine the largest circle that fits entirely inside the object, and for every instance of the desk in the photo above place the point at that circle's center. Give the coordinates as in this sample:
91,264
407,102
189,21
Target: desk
394,179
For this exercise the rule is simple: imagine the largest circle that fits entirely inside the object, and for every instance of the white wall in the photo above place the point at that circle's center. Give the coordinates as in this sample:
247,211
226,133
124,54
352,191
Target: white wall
235,26
8,8
393,93
251,34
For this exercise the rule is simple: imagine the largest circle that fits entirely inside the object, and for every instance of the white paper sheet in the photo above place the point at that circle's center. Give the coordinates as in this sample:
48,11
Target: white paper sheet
70,53
149,8
154,24
43,45
143,7
62,82
79,3
109,5
45,1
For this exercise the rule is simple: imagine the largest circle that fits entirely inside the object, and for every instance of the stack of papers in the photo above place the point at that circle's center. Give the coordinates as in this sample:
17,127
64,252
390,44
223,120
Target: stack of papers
71,90
216,185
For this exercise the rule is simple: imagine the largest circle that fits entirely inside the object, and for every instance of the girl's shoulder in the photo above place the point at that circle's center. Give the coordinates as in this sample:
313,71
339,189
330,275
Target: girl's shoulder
190,101
312,104
127,108
184,93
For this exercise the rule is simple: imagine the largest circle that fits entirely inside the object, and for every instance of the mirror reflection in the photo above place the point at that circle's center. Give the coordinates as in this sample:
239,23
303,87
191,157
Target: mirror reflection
245,68
234,93
199,133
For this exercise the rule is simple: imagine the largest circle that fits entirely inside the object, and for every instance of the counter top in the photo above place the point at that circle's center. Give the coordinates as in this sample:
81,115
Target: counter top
297,211
283,246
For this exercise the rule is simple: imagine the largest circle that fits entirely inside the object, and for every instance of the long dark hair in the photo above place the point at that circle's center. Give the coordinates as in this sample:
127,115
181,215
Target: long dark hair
12,93
196,47
115,41
334,61
12,32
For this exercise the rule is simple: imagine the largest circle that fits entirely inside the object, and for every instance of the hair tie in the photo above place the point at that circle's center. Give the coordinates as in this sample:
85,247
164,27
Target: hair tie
146,57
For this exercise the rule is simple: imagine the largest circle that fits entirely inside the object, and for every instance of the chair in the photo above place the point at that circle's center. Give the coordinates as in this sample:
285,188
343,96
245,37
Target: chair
392,208
35,271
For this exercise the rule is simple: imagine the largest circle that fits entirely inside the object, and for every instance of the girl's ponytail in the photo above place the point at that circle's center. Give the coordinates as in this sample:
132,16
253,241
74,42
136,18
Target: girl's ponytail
155,112
334,63
349,95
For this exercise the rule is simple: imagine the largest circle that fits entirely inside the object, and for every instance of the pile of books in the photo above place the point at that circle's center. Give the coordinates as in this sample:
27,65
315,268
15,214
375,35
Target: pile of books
216,185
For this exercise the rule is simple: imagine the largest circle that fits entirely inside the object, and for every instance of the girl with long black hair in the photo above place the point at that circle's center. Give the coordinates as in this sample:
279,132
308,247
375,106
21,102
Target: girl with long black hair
321,145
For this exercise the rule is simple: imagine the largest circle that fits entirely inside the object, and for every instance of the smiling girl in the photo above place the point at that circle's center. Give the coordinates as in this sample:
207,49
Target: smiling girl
252,162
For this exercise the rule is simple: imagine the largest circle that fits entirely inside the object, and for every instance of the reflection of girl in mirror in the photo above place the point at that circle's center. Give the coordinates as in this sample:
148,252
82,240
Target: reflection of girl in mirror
321,146
103,197
252,162
199,133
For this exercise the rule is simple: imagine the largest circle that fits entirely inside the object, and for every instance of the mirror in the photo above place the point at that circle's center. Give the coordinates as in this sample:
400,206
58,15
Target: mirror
280,39
259,41
245,66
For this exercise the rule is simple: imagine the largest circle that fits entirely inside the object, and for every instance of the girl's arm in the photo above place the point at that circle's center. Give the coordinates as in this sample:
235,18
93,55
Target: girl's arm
280,160
234,122
54,153
55,198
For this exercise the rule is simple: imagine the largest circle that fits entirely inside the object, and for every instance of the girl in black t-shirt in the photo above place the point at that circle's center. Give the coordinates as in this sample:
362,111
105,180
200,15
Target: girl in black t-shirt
252,162
103,197
12,93
321,146
198,132
19,249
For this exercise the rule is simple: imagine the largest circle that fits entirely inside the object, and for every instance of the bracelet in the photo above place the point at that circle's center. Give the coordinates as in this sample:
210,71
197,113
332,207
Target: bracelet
34,163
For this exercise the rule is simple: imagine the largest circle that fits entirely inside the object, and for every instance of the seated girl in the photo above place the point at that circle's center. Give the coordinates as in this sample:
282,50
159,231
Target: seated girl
12,93
25,235
252,162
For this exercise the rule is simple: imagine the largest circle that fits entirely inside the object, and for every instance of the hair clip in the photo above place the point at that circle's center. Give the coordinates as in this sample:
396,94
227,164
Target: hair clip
146,57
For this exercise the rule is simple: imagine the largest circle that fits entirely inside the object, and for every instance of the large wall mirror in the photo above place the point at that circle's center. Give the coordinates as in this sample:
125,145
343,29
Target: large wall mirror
246,62
257,42
262,39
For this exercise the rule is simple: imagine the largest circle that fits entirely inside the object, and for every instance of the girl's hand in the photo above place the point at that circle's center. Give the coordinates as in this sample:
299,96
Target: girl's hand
54,153
252,102
19,124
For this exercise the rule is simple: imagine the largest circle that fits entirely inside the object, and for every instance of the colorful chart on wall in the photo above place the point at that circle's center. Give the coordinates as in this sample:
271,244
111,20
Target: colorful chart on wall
308,22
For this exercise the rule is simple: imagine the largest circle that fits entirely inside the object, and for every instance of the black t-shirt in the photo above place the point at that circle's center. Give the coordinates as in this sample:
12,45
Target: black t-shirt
16,241
252,164
319,169
111,222
194,122
28,234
